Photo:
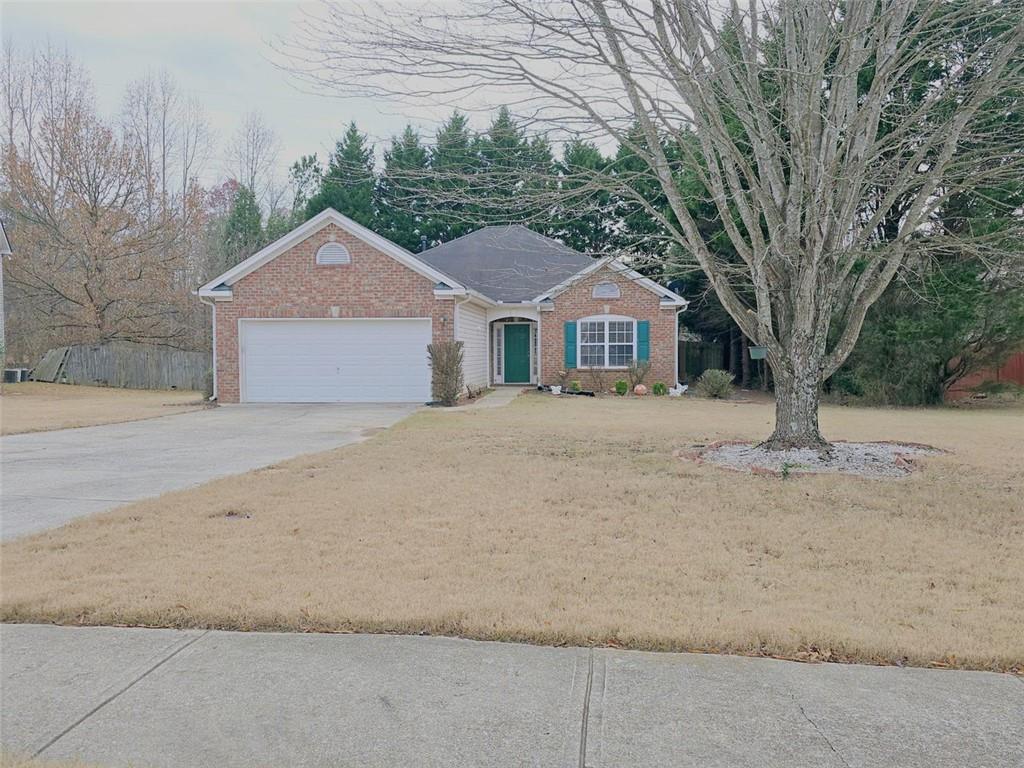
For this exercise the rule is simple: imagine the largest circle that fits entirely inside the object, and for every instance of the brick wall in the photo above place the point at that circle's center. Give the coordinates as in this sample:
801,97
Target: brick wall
635,301
294,285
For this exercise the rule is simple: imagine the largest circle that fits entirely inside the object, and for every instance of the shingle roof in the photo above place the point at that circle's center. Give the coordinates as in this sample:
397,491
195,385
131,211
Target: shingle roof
506,263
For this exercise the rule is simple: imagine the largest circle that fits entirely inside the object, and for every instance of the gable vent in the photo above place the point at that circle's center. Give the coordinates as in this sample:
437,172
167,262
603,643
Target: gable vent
606,291
333,253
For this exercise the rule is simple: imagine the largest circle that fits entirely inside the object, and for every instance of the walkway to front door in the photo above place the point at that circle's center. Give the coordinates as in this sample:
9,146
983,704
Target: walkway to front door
517,353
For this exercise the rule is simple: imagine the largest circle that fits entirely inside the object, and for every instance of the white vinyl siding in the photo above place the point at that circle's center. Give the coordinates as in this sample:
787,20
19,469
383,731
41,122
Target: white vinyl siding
326,361
471,330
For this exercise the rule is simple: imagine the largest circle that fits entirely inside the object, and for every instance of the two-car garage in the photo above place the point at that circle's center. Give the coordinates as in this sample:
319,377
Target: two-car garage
334,360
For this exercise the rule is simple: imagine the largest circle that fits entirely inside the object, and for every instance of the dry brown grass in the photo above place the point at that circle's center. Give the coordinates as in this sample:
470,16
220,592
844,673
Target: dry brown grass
37,407
571,521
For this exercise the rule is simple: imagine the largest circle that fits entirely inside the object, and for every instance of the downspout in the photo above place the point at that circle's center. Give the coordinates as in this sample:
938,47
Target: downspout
537,347
676,347
213,306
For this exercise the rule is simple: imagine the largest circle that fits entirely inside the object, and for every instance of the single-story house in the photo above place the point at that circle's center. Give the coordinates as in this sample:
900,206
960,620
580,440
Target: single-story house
333,312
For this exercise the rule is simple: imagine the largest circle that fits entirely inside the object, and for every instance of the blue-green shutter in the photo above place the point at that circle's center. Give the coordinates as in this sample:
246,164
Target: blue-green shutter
570,345
643,340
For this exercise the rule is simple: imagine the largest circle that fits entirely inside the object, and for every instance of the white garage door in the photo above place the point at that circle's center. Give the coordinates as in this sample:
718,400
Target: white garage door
327,361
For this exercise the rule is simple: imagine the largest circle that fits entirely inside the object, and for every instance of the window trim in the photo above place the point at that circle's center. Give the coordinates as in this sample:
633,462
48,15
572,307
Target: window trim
335,243
607,343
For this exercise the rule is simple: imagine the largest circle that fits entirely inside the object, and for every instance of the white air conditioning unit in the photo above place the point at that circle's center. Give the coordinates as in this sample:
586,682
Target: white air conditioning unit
15,375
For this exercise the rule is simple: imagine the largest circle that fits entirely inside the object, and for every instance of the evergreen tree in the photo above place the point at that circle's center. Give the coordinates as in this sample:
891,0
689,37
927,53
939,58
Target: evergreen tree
504,161
580,221
280,222
636,229
243,232
305,178
348,184
452,164
400,209
538,182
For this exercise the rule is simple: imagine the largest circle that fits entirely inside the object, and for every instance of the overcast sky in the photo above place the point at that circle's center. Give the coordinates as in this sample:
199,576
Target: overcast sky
218,51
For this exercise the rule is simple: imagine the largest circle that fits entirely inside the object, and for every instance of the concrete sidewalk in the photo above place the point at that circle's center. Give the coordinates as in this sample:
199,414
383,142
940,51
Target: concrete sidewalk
114,696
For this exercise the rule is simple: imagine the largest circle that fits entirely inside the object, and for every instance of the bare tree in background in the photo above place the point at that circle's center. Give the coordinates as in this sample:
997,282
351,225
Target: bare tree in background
824,135
252,154
108,218
171,132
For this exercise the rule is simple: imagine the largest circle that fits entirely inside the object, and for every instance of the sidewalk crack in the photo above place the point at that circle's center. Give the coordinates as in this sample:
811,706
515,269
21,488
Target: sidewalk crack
586,710
820,733
117,693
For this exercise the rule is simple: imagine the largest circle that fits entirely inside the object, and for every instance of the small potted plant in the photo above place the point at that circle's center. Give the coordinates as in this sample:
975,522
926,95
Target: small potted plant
556,389
576,385
659,388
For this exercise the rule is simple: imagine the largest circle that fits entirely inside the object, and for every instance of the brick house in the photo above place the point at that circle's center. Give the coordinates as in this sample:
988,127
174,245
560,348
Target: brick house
334,312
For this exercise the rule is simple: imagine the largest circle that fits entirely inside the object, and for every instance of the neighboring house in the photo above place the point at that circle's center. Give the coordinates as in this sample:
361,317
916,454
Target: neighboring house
333,312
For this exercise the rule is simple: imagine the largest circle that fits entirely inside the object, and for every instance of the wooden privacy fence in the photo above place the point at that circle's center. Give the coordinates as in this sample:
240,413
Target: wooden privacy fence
1010,371
695,357
125,364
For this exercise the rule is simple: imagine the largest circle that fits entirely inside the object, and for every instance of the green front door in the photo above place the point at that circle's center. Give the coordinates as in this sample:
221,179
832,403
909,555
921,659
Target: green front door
517,354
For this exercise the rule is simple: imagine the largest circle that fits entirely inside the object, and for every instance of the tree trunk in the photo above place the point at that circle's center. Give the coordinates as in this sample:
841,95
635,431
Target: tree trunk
745,362
734,353
796,412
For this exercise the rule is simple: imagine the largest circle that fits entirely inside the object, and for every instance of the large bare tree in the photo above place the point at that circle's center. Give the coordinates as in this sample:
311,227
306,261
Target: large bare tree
824,134
107,218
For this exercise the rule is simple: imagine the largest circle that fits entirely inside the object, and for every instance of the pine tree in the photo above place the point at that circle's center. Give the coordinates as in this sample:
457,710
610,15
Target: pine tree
505,157
348,184
305,178
581,221
452,164
243,232
636,229
400,209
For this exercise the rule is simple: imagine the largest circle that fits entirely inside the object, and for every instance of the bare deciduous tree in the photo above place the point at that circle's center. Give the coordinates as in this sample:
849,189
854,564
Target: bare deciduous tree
252,153
824,135
105,240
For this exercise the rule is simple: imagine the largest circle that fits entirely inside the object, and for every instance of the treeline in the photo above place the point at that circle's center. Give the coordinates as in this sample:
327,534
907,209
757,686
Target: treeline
427,192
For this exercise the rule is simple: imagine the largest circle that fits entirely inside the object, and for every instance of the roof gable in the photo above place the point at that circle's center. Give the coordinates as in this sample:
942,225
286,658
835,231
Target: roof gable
668,297
220,286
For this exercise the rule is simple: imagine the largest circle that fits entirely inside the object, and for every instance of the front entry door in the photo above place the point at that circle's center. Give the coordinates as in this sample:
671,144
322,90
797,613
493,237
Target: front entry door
517,354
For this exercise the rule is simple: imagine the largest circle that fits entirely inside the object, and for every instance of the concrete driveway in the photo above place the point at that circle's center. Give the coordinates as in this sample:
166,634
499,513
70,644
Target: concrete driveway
182,699
49,478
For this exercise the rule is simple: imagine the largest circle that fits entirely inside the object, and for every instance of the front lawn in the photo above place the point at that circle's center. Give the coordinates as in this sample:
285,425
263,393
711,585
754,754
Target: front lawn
572,520
38,407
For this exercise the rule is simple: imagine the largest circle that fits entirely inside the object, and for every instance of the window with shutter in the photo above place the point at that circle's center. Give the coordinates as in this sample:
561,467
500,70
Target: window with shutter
607,341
